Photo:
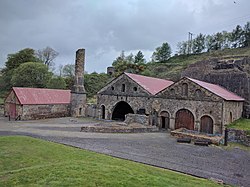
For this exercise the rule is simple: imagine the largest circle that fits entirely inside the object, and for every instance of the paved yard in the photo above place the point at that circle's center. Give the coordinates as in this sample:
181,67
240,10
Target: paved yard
159,149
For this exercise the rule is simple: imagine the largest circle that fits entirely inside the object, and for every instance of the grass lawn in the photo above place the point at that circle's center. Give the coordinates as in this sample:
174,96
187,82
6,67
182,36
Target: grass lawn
241,124
26,161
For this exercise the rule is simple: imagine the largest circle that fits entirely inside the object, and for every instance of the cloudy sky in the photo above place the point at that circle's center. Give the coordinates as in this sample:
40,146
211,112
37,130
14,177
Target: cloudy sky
106,27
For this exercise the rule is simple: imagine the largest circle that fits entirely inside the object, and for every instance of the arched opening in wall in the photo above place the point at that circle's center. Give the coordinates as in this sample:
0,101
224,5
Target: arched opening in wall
103,111
120,110
206,125
164,119
230,117
80,111
184,119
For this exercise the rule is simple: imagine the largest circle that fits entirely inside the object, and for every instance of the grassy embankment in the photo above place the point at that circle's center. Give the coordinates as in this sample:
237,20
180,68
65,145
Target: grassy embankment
26,161
241,124
176,64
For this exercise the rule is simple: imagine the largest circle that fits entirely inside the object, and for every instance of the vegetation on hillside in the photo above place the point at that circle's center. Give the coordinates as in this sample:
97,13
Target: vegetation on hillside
43,163
241,124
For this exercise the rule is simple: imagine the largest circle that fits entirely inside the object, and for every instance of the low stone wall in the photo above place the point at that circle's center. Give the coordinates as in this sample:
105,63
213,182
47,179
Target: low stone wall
184,133
136,118
91,110
240,136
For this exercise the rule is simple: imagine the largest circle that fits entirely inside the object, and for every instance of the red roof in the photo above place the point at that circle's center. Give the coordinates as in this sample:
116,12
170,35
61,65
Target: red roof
152,85
218,90
35,96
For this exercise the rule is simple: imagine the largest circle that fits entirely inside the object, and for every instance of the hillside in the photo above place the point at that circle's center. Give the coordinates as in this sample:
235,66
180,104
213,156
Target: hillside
176,64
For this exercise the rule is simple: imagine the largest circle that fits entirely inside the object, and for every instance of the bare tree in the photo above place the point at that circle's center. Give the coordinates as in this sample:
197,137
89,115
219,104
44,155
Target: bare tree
47,56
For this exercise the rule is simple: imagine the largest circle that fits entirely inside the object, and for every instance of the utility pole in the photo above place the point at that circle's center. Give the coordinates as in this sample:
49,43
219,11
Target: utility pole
190,36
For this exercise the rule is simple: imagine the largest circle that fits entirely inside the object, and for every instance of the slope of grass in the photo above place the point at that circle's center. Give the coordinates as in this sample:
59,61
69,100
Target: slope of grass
27,161
241,124
175,65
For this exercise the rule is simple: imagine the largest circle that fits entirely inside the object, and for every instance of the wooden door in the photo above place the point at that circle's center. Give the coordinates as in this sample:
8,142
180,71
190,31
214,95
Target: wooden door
206,125
184,119
12,110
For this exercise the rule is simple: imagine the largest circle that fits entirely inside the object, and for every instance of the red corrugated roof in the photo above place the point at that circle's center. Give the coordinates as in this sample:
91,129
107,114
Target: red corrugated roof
152,85
35,96
218,90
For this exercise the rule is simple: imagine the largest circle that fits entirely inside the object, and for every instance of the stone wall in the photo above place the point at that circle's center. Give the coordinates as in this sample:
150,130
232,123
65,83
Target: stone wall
91,110
137,118
44,111
239,136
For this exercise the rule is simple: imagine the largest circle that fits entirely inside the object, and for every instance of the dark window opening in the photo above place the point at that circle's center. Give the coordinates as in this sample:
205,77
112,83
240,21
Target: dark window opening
135,89
198,93
123,87
112,88
80,111
103,112
141,111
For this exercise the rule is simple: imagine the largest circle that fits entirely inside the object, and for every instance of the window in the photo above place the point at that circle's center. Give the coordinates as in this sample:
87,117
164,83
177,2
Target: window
172,92
123,87
112,88
184,89
198,93
135,89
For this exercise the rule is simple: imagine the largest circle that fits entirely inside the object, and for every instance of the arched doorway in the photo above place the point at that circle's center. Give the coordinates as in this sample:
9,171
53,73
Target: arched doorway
120,110
206,125
164,119
184,119
103,111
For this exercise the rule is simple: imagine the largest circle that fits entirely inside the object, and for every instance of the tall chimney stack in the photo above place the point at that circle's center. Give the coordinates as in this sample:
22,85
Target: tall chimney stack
78,93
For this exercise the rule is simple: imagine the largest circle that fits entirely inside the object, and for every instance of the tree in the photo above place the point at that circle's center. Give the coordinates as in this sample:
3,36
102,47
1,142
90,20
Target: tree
162,54
238,37
182,48
198,44
56,83
139,58
22,56
47,56
31,74
68,70
246,42
94,82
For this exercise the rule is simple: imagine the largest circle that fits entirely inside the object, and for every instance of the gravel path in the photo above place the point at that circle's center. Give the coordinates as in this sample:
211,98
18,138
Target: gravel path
158,149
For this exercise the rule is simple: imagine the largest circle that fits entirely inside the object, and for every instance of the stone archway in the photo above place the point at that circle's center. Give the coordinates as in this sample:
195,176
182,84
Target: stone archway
164,117
184,119
103,111
206,125
120,110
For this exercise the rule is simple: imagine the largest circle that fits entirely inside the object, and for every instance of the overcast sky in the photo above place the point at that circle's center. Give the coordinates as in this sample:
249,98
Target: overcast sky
106,27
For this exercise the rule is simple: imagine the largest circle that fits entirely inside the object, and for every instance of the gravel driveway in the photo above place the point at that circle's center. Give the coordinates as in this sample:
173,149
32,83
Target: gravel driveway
158,149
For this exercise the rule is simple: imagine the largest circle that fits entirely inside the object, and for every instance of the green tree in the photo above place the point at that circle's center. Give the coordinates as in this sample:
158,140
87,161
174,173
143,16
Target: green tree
246,42
198,44
31,74
162,54
182,48
238,37
94,82
139,58
68,70
56,83
22,56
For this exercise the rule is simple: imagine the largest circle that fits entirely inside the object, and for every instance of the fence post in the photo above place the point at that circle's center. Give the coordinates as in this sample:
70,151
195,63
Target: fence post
226,136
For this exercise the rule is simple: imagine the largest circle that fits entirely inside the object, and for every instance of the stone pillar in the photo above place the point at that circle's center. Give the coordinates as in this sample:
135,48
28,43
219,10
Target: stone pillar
172,123
78,93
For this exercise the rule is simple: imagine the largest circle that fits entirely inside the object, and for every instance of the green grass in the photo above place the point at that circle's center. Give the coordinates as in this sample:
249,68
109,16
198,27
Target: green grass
26,161
241,124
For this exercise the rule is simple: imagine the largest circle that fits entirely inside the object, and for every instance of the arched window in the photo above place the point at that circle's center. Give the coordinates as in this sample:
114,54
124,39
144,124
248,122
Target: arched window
123,87
184,89
198,93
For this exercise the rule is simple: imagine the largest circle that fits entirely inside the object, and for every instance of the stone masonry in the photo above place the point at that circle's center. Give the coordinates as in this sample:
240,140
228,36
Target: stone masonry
78,93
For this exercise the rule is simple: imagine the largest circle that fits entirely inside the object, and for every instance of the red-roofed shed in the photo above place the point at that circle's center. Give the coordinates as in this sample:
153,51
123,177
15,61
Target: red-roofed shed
35,103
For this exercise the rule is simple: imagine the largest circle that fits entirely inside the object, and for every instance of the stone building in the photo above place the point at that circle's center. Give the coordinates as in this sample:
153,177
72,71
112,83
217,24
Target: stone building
36,103
188,103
